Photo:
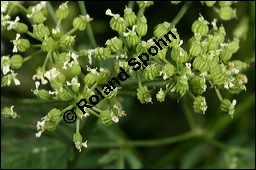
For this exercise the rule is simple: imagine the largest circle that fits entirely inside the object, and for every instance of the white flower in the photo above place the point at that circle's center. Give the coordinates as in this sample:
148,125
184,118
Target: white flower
74,82
55,31
37,8
15,43
228,84
203,106
40,125
79,145
160,94
232,108
51,74
5,64
12,78
40,75
38,134
13,24
4,19
4,5
93,71
184,79
88,19
214,24
108,12
37,83
73,56
115,119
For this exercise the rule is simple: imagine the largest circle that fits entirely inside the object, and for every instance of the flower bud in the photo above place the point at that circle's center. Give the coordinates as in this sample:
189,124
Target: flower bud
62,11
179,54
142,26
198,85
41,31
111,94
48,44
129,16
38,17
199,104
238,84
114,44
161,29
21,28
16,61
55,84
144,4
200,26
227,13
144,95
9,113
42,94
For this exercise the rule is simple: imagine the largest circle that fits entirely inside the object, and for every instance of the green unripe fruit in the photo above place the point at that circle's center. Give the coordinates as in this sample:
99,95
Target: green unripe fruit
144,95
227,13
38,17
50,126
62,12
179,54
21,28
142,26
43,94
16,61
200,26
161,29
199,104
48,44
129,17
40,31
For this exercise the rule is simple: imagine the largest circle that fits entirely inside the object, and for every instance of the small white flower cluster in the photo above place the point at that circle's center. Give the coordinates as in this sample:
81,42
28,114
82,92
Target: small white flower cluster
37,8
5,67
70,64
79,145
40,127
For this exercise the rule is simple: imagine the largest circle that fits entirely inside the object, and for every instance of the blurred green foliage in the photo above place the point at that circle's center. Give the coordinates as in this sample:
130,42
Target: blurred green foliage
150,136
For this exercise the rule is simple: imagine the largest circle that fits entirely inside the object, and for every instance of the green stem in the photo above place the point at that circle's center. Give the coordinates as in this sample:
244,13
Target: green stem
52,13
188,113
71,31
97,109
47,58
93,113
28,101
31,56
138,79
89,28
77,125
181,13
32,35
191,94
146,143
165,61
131,4
124,41
140,13
218,94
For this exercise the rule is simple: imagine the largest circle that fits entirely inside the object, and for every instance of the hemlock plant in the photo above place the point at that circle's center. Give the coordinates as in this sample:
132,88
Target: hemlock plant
203,63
